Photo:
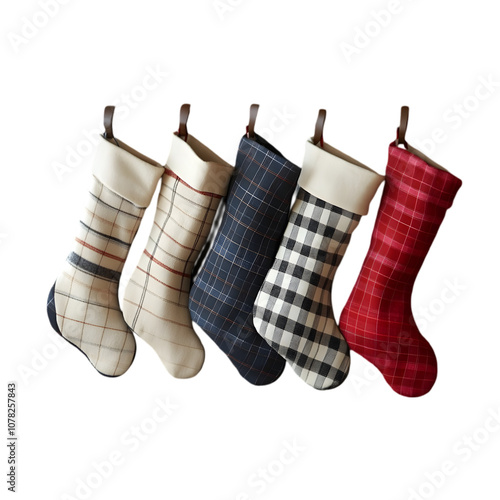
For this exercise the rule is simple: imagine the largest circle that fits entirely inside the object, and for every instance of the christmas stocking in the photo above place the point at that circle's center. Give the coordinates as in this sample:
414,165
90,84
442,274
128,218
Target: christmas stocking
155,304
293,311
377,320
83,303
255,217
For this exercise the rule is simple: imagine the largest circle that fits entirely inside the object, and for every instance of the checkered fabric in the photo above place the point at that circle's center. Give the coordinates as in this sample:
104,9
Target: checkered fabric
83,303
293,310
377,320
156,299
253,223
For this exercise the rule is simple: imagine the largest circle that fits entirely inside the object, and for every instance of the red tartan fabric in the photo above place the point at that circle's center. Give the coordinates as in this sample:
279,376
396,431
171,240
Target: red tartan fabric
377,320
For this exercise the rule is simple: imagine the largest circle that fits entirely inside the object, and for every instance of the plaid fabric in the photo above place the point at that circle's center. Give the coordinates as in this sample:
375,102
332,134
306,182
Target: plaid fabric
377,320
293,310
83,303
253,222
156,299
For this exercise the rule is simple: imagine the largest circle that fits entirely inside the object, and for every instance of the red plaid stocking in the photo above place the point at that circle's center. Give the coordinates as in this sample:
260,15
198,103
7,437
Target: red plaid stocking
377,321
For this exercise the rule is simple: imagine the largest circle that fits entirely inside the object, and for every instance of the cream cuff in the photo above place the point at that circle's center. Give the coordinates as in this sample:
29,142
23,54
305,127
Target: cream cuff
338,179
200,167
126,172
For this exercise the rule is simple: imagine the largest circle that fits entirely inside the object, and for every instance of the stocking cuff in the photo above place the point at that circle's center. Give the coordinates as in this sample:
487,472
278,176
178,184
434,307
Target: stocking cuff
126,172
338,179
421,177
198,166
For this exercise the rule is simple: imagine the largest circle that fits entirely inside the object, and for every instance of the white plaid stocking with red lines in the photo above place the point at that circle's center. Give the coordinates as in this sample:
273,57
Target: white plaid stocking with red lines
156,298
83,303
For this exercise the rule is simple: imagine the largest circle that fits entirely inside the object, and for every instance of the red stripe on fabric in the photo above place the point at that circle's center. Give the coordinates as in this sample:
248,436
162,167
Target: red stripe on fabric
284,179
156,261
251,228
263,189
205,193
173,239
101,252
161,282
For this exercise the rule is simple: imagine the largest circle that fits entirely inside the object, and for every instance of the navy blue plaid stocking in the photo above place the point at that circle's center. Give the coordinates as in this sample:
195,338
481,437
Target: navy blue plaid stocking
252,226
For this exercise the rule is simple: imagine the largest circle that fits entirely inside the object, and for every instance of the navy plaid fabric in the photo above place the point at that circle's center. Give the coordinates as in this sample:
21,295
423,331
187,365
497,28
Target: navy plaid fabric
252,226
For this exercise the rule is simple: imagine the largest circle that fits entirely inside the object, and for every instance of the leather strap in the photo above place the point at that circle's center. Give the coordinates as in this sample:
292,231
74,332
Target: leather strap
184,115
320,125
109,111
403,125
254,109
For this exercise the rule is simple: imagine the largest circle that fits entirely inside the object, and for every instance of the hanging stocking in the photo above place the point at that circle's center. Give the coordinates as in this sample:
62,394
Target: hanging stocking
156,298
83,303
293,310
377,321
244,249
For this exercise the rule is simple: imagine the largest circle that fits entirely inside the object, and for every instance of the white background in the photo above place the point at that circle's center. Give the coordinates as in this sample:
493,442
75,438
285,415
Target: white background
360,440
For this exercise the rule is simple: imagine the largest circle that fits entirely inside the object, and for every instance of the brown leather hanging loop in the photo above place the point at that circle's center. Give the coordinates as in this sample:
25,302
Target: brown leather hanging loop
109,111
320,125
254,109
403,125
184,115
